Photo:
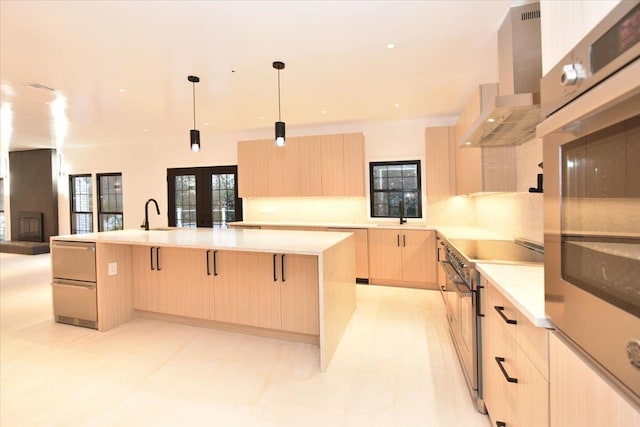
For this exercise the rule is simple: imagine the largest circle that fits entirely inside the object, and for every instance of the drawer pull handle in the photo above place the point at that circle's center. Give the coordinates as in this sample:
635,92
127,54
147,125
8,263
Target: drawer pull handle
499,361
500,310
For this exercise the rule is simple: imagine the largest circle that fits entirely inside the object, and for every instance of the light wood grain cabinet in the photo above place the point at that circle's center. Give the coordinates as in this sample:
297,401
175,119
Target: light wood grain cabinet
514,363
440,157
252,168
482,169
172,281
273,291
579,395
325,165
404,257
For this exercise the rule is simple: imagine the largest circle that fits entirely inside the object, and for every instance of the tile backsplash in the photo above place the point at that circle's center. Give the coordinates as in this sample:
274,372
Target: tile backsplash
511,214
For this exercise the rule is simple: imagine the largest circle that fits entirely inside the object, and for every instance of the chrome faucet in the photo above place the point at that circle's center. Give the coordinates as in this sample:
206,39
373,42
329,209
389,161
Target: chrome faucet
401,209
145,224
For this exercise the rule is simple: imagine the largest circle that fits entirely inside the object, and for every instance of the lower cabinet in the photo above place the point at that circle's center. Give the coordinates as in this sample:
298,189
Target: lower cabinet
580,396
401,256
514,364
172,281
274,291
362,250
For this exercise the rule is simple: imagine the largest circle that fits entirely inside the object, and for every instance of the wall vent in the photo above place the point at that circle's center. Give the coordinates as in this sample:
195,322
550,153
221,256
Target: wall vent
532,14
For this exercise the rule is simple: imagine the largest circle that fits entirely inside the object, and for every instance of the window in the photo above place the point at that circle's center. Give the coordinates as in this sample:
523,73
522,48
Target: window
203,197
3,229
110,202
81,191
391,182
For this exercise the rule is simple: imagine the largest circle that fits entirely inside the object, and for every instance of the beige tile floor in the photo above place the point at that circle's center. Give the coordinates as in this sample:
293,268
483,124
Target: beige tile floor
395,366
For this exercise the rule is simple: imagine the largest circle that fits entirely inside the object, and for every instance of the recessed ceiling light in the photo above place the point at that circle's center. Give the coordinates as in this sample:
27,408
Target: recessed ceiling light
207,124
145,130
122,90
324,111
467,143
396,105
391,46
491,120
261,118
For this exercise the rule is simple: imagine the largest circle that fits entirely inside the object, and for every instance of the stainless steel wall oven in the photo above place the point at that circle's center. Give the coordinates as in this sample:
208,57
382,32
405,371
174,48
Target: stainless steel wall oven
591,134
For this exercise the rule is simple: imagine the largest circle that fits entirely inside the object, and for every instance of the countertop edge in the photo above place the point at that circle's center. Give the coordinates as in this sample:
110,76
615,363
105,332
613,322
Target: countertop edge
541,322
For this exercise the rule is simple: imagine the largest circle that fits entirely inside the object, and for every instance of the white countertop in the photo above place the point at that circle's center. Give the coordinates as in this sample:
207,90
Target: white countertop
278,241
522,285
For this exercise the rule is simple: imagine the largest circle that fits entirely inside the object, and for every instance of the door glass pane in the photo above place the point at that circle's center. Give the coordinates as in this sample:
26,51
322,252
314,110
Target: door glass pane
222,199
185,200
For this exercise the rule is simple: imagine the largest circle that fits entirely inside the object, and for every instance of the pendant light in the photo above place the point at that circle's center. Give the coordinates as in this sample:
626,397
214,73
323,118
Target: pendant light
280,140
195,133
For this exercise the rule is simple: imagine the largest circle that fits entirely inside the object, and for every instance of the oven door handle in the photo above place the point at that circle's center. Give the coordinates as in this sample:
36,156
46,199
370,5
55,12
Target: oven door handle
455,278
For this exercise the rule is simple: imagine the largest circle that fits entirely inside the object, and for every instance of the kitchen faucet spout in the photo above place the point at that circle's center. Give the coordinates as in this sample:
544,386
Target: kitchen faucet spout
145,225
401,209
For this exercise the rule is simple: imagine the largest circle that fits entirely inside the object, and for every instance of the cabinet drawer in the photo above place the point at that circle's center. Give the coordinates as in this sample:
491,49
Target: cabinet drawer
504,313
532,406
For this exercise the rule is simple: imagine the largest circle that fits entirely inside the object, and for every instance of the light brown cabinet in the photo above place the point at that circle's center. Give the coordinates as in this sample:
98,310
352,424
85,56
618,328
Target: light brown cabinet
273,291
580,396
172,281
404,257
326,165
482,169
515,368
440,154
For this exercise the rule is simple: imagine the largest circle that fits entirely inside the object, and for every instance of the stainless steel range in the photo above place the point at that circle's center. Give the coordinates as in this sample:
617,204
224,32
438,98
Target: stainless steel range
461,295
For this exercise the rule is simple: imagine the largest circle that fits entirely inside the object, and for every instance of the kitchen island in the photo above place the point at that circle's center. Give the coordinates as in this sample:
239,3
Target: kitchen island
296,285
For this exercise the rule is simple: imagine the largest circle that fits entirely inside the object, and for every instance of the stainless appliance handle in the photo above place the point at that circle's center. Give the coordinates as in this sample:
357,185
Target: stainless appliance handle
75,248
455,278
66,284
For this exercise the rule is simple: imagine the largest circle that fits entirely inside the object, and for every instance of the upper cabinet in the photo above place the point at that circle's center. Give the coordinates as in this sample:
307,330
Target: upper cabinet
326,165
565,23
440,153
482,169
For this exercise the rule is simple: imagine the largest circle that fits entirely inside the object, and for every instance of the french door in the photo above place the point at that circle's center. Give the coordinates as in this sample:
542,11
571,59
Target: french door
203,196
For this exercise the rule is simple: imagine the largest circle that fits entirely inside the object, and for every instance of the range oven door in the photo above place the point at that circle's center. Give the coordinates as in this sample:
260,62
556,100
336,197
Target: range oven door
462,322
592,223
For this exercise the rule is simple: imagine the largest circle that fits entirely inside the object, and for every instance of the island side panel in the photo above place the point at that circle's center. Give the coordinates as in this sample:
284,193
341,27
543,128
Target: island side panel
115,291
337,267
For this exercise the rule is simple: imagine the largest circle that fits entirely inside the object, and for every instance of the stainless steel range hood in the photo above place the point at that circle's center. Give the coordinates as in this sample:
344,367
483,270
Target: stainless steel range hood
512,116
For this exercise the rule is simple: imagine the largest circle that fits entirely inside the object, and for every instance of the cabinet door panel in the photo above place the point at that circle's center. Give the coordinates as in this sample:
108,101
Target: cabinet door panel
332,149
283,165
385,256
353,164
148,284
418,256
245,290
252,167
299,293
196,287
310,154
362,250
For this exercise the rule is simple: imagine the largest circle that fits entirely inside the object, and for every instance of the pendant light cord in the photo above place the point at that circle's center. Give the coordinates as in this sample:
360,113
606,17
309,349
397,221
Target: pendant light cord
194,105
279,115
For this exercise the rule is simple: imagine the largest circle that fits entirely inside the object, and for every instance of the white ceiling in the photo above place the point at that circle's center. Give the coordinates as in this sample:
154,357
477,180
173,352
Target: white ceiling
122,66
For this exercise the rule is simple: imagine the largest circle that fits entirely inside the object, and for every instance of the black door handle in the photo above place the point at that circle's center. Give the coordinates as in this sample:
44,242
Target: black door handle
282,265
275,276
499,361
398,239
208,268
158,258
215,263
151,254
404,240
500,310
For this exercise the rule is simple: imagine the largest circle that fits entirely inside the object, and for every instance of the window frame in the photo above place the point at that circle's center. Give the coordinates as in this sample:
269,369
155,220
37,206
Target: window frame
204,217
72,198
100,211
418,190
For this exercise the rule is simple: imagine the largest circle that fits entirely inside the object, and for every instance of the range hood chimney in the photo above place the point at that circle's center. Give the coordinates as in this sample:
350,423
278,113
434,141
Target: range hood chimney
512,116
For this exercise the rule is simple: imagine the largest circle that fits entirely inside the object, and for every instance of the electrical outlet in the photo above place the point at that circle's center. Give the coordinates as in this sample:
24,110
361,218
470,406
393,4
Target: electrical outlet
113,268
